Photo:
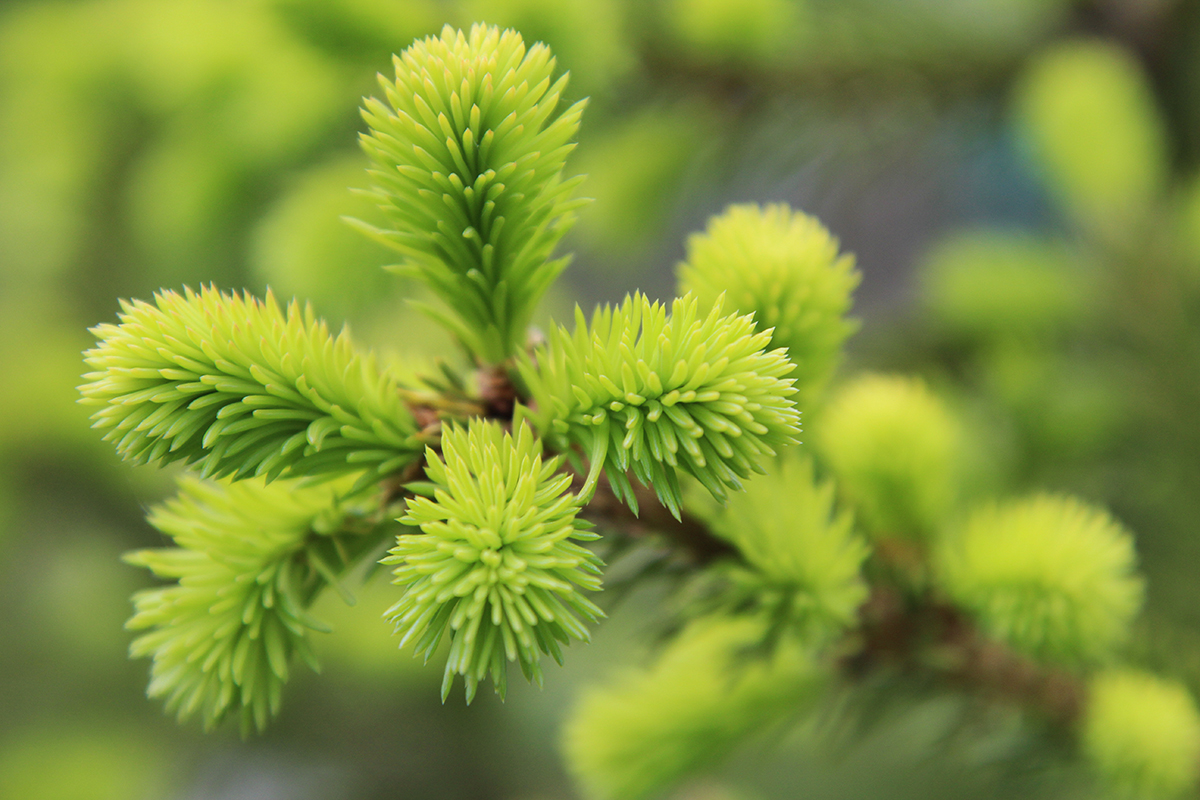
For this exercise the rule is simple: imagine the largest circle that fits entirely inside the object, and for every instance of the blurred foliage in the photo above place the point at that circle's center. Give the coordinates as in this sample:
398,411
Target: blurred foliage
154,143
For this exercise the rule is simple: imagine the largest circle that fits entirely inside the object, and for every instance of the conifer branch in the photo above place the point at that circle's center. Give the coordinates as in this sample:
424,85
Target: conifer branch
494,569
467,158
643,390
238,387
250,559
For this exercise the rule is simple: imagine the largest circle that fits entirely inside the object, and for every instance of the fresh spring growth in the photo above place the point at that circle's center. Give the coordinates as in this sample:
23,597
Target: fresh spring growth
784,267
494,567
706,692
1141,734
1052,577
467,158
803,561
894,448
222,638
238,387
654,392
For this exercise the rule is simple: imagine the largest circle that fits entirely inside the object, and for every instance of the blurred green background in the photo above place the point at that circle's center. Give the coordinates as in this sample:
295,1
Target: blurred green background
1018,179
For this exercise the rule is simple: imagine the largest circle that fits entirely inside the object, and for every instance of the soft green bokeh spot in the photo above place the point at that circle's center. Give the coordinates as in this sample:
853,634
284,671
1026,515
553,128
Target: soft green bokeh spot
995,285
1091,119
633,167
360,31
748,31
303,248
1142,733
38,411
79,763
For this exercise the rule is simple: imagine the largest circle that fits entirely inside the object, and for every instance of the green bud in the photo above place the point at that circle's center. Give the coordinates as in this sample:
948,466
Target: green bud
652,392
467,159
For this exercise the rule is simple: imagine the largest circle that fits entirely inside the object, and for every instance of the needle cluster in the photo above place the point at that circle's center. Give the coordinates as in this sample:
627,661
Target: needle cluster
235,386
654,392
494,568
467,157
224,636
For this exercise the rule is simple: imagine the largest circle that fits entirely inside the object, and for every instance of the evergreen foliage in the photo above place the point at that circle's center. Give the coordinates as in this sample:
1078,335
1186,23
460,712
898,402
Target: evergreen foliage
654,392
802,560
319,451
235,386
493,567
468,159
895,449
703,694
1049,575
784,267
248,562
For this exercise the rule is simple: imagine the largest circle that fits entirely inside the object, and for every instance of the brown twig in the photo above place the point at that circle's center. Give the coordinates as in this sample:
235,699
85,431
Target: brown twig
925,635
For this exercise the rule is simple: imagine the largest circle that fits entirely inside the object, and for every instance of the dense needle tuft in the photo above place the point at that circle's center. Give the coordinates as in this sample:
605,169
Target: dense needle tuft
707,690
236,386
1050,576
802,560
654,392
223,638
784,267
494,567
467,162
895,450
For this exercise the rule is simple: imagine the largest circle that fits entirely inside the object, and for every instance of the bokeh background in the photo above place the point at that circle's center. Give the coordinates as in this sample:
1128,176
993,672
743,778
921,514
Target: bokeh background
1016,177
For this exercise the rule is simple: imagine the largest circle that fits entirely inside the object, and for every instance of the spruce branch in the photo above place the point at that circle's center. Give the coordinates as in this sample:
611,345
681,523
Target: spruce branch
238,387
467,158
643,390
494,568
801,562
1049,575
783,267
250,558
